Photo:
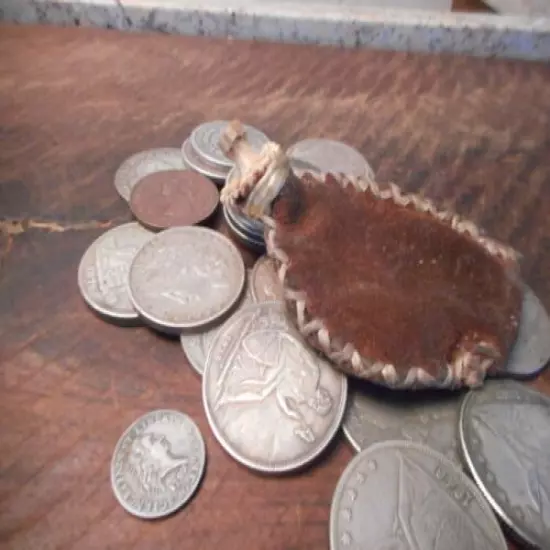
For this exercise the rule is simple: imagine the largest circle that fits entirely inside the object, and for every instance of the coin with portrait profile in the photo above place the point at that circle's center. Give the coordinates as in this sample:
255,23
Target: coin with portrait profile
272,403
173,198
158,464
185,277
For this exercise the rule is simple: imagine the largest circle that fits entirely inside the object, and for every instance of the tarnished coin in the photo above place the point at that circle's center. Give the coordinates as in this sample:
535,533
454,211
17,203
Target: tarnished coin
186,277
374,415
201,165
144,163
505,438
173,198
158,464
103,271
399,495
329,156
271,403
196,343
531,352
264,282
206,137
250,241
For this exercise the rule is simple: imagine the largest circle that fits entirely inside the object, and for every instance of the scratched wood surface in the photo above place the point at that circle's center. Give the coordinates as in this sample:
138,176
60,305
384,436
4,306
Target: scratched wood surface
74,103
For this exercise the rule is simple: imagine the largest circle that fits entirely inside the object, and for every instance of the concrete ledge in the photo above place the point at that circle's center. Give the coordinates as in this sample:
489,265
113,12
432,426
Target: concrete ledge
317,22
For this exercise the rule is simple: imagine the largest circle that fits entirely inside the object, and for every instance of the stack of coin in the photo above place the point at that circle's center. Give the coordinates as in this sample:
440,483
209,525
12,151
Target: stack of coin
202,153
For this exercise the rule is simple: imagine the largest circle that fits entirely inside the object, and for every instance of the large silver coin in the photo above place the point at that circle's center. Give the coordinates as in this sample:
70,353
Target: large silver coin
398,495
103,271
206,137
505,436
144,163
158,464
196,343
272,404
200,165
264,282
531,352
186,277
374,415
329,156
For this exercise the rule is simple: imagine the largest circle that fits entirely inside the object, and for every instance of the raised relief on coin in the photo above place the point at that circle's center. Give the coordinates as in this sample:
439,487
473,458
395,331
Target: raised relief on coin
173,198
136,167
104,267
197,343
158,464
505,434
326,155
265,283
272,403
186,277
205,141
399,495
375,414
531,352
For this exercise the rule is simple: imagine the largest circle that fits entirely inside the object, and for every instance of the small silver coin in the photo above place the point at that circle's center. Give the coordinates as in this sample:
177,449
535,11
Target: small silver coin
330,156
249,241
206,137
531,352
243,225
158,464
200,165
264,283
186,277
505,438
399,495
196,343
144,163
374,415
272,404
103,271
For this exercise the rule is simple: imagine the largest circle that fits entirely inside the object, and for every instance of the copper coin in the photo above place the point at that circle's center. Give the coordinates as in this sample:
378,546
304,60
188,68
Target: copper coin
173,198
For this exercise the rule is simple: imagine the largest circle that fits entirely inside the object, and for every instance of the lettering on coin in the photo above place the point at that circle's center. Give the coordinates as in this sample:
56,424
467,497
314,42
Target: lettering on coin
103,270
158,464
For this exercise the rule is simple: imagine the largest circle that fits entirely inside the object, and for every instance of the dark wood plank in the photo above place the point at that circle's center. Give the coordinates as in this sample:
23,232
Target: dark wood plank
471,6
470,133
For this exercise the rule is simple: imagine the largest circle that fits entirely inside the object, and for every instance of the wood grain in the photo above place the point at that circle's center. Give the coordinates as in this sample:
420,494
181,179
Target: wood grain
470,133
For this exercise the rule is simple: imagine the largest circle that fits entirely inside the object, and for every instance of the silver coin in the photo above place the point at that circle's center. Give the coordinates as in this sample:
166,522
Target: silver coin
264,283
206,137
158,464
374,415
196,344
103,271
185,277
244,225
505,438
195,162
144,163
531,352
249,241
330,156
272,403
399,495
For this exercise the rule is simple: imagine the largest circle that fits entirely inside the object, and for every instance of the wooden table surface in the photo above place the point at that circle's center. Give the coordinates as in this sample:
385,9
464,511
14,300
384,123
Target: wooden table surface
74,103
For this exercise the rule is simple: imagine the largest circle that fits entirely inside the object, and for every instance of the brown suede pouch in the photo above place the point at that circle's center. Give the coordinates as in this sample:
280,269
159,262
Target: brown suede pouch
399,284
